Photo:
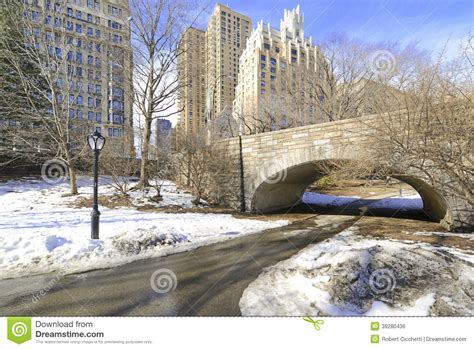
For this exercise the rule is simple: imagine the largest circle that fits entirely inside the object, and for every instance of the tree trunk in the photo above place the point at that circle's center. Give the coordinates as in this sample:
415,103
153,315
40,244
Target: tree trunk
73,180
144,166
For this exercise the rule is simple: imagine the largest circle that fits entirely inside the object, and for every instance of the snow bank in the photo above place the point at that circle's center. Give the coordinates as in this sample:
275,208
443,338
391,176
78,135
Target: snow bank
39,233
349,275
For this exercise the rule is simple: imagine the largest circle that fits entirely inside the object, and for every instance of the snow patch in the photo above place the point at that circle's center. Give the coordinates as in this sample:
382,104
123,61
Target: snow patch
350,275
40,233
327,200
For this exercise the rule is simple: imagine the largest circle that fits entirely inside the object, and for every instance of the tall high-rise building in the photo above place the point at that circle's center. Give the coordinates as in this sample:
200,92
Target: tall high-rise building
163,132
192,70
91,38
280,77
209,67
226,38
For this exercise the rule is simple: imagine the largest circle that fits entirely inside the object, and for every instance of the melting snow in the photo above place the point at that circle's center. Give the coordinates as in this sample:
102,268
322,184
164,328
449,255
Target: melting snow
40,234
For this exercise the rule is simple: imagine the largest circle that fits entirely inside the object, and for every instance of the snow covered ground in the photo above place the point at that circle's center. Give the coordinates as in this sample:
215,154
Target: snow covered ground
404,203
351,275
40,232
328,200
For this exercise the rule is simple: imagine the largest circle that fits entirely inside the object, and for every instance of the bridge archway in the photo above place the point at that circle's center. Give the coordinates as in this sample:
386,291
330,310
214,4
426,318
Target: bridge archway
280,188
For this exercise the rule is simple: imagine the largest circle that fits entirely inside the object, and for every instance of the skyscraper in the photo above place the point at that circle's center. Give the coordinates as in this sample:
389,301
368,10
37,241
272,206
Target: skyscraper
163,132
280,77
91,38
226,38
209,68
192,70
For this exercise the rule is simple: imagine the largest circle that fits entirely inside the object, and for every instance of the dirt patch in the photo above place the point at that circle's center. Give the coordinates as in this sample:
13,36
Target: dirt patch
406,229
113,201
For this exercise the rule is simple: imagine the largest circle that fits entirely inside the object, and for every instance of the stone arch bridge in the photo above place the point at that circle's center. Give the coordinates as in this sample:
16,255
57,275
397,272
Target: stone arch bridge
272,170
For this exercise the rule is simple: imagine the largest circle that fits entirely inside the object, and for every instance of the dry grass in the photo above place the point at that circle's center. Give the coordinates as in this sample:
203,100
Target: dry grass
362,188
113,201
405,229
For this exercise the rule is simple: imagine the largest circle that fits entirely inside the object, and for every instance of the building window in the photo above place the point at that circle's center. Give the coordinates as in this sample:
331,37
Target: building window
98,117
263,58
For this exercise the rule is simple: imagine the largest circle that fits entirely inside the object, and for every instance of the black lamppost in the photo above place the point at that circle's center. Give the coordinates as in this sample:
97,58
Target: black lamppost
96,143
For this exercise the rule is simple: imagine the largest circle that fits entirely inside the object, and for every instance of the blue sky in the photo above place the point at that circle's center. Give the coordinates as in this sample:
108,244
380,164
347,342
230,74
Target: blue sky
430,23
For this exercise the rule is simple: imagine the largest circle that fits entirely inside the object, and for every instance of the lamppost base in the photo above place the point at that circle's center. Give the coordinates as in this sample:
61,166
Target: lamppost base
95,224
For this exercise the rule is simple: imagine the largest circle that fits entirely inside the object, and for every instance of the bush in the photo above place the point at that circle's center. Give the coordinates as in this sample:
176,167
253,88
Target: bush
324,183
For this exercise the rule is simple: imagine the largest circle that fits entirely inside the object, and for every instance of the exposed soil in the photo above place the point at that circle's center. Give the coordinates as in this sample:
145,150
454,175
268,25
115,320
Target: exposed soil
405,229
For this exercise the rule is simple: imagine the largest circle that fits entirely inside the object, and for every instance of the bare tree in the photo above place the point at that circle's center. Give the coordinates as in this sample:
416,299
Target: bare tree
162,166
119,168
157,26
49,50
203,168
432,133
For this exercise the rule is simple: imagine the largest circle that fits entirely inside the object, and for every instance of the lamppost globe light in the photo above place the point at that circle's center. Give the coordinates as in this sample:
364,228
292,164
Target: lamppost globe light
96,141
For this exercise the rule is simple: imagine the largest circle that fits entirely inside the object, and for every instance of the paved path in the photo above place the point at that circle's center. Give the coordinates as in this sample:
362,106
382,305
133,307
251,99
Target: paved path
211,279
